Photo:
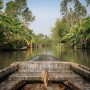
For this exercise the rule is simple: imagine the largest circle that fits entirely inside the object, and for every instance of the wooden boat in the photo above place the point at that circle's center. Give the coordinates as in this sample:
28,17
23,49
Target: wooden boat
60,75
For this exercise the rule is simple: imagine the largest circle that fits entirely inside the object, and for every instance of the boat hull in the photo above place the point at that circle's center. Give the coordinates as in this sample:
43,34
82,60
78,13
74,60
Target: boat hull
69,75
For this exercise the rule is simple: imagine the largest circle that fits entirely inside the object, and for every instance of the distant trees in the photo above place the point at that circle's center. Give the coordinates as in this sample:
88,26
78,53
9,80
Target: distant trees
41,40
73,27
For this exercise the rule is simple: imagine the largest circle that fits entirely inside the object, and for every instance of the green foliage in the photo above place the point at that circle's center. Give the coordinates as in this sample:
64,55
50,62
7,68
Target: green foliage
19,9
1,4
11,8
28,15
78,8
88,2
22,5
78,25
77,34
41,40
59,30
80,33
12,33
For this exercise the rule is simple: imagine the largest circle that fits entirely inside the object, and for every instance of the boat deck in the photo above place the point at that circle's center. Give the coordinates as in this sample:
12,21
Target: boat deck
68,74
39,86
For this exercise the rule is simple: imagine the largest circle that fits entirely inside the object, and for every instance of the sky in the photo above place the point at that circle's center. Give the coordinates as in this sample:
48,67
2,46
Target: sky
46,12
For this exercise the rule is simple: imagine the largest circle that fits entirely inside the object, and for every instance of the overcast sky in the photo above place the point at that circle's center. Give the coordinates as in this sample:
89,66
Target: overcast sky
46,12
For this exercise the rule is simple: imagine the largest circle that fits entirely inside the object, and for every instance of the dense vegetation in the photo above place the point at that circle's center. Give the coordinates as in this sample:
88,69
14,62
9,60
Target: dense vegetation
41,40
14,34
74,27
72,30
14,23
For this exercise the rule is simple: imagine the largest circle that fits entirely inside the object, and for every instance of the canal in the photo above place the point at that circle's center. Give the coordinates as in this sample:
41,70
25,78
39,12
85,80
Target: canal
64,54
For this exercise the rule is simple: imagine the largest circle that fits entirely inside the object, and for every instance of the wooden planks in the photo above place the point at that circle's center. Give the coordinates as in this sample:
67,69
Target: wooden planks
57,71
39,86
55,87
11,85
33,87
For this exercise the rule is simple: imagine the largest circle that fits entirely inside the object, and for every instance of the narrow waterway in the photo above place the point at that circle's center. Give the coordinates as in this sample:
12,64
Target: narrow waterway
64,54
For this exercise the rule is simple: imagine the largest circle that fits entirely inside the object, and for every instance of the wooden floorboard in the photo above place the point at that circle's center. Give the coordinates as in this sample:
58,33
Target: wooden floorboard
50,88
39,86
55,87
36,87
43,87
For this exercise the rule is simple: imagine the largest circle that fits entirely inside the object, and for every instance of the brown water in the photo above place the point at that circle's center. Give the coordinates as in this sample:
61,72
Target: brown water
64,54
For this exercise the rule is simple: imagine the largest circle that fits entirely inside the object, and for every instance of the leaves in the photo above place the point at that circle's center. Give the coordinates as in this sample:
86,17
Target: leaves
78,8
1,4
19,9
88,2
12,33
11,8
59,30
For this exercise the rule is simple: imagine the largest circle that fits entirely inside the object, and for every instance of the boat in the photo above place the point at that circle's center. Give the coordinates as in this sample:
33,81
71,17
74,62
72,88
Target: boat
45,72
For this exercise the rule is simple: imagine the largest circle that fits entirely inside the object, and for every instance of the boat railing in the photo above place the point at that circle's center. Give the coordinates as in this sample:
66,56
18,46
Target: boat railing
12,68
82,70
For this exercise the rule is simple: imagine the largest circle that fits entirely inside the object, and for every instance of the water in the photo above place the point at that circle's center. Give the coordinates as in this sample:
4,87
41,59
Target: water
64,54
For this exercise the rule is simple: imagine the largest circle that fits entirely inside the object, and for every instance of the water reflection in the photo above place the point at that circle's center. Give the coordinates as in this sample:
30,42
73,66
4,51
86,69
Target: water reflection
61,52
79,56
6,58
